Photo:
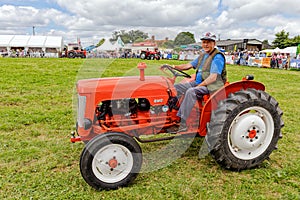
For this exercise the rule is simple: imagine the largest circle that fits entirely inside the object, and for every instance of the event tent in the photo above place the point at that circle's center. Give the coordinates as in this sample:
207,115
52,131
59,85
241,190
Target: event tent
267,51
47,44
276,50
108,46
5,40
290,50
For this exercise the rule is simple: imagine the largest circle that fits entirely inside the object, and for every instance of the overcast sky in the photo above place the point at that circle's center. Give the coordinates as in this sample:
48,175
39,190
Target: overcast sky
92,20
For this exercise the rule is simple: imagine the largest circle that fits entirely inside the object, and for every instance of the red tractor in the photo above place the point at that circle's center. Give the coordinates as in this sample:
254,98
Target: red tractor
74,50
241,123
150,55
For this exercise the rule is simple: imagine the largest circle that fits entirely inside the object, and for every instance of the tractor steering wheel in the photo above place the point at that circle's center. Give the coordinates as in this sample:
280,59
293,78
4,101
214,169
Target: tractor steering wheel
175,71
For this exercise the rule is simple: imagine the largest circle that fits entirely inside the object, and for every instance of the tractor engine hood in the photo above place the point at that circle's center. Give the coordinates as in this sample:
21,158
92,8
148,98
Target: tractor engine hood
154,88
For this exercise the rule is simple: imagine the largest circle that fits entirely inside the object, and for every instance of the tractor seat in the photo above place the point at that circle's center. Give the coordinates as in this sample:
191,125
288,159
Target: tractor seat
206,97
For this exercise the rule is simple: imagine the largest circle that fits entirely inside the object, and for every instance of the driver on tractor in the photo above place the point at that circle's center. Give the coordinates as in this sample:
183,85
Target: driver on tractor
210,76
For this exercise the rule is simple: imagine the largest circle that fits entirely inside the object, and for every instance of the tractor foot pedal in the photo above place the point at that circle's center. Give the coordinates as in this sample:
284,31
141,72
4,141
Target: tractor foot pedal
172,129
177,129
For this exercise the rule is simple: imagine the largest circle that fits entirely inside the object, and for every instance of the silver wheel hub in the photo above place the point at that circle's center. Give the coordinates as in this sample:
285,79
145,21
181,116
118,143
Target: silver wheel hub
112,163
250,133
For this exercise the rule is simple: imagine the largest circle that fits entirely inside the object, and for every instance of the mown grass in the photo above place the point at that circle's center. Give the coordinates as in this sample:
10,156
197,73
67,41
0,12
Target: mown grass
37,161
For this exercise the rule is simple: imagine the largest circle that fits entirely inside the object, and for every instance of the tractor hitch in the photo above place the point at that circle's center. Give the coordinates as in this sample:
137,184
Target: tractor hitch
74,138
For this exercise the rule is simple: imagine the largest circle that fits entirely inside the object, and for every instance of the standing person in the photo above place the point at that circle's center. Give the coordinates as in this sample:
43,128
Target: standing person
287,62
210,76
241,57
273,60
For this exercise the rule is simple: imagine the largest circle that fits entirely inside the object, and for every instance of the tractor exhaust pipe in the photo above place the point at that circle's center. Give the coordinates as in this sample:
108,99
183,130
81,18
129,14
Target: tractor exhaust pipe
142,66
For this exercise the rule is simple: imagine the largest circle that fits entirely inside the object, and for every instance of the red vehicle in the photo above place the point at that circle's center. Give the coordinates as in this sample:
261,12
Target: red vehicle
150,55
242,123
74,50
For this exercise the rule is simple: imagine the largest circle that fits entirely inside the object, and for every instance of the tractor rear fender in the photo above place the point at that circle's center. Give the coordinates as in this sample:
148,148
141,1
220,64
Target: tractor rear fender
221,94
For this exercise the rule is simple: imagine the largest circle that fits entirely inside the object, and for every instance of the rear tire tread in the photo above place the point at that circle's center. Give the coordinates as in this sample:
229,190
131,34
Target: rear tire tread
218,128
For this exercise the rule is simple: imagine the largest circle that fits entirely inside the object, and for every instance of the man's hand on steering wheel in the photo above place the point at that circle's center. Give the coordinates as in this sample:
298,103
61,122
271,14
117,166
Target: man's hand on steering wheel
165,66
175,71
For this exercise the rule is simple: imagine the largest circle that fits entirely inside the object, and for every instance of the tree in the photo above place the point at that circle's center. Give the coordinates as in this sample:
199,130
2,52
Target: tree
282,39
116,34
139,40
129,37
184,38
295,41
135,35
266,42
168,44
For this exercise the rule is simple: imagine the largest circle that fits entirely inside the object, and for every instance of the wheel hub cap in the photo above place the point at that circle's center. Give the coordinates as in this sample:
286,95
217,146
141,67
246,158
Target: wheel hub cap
252,134
113,163
248,132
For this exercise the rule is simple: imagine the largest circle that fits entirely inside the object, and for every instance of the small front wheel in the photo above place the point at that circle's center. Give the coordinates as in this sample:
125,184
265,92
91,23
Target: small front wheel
110,161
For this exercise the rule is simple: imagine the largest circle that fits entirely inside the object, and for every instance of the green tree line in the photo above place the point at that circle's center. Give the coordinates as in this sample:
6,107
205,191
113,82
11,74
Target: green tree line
281,40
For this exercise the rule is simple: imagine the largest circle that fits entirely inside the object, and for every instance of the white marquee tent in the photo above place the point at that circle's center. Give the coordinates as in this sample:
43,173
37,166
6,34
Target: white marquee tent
290,50
108,46
50,45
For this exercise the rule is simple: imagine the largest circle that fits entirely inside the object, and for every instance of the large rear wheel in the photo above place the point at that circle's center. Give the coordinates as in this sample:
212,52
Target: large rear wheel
244,129
110,161
71,54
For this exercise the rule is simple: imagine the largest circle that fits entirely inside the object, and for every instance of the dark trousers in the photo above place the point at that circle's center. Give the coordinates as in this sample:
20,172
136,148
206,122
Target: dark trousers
192,94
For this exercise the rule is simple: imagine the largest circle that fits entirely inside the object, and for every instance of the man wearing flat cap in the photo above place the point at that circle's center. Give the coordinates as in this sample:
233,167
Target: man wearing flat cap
210,76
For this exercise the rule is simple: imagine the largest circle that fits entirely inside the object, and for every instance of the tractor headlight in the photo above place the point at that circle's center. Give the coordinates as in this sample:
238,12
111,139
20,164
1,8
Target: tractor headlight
81,110
87,123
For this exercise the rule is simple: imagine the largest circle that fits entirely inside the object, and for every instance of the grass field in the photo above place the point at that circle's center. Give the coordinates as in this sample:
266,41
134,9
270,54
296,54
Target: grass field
37,161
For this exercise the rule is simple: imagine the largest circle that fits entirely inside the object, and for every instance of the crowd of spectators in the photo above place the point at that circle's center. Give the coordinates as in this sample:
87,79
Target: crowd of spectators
280,60
105,54
277,60
21,53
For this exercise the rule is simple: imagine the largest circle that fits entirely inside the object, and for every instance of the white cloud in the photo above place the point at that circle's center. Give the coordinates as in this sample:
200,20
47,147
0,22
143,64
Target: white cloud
140,13
20,16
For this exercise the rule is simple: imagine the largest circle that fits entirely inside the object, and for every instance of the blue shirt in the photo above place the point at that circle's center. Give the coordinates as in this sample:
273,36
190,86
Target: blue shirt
217,65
